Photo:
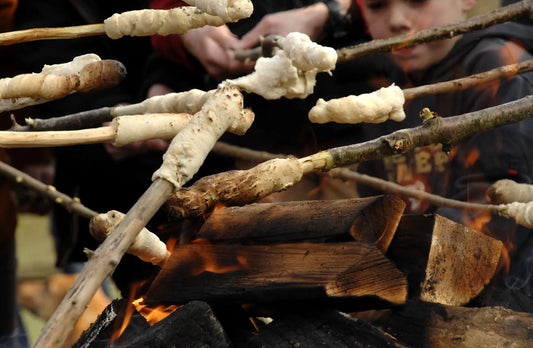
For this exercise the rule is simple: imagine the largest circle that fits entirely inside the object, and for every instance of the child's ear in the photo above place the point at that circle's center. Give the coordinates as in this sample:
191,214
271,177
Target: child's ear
468,5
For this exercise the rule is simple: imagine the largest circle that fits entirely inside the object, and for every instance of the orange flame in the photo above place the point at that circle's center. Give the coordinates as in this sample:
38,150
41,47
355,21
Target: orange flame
127,313
153,314
210,263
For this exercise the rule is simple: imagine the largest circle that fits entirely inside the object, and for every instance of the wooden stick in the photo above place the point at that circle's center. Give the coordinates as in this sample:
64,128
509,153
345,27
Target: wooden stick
388,103
9,139
144,22
503,14
244,187
178,166
71,204
463,83
62,33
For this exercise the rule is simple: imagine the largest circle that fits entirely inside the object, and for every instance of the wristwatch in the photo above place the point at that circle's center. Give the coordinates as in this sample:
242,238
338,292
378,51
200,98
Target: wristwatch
339,20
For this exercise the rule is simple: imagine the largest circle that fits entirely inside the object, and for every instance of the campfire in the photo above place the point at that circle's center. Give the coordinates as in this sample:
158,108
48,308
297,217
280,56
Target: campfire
239,271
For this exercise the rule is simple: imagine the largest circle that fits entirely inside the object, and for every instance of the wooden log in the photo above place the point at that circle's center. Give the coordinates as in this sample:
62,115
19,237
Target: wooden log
321,327
372,219
266,273
424,324
192,325
452,262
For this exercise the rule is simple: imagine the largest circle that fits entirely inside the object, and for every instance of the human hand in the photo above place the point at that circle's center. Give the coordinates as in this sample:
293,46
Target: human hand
29,200
212,47
308,20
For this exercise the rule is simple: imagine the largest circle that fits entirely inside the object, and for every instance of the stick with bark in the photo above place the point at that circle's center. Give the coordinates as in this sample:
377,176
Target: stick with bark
241,187
522,9
135,23
182,159
189,102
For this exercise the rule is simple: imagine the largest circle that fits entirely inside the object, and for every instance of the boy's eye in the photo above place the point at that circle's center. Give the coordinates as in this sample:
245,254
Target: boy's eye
376,5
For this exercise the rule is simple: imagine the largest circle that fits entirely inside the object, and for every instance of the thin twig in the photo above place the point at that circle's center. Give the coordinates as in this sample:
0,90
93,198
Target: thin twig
469,81
503,14
71,204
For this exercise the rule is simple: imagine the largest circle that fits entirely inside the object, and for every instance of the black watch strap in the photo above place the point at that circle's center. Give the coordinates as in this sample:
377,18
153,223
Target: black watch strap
339,20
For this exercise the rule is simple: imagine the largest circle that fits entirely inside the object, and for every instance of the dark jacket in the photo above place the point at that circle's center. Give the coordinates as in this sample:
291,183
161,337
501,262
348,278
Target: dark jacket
476,162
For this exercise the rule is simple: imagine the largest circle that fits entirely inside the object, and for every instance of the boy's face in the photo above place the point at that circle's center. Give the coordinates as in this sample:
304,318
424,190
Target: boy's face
389,18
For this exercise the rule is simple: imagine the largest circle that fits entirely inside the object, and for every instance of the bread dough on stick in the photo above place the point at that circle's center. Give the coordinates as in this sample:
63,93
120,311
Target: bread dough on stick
235,187
307,55
276,77
147,246
163,22
291,72
190,147
376,107
189,102
84,73
228,10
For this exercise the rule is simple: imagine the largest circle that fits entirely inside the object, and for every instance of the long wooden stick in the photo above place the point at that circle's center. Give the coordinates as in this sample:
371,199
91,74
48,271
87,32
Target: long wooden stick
62,33
522,9
254,183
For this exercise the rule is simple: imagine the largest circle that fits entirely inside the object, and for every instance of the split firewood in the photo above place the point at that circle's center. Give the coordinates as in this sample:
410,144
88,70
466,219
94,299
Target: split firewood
146,246
181,160
371,219
508,191
444,261
522,9
461,262
243,273
291,72
144,22
83,74
387,102
204,194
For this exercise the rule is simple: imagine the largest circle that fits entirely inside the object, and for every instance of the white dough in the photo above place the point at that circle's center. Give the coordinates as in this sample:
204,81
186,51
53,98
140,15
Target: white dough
376,107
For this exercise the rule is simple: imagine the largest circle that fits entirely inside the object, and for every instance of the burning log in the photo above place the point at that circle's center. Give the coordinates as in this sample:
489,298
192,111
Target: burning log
183,158
266,273
445,262
133,23
423,324
85,73
371,220
191,325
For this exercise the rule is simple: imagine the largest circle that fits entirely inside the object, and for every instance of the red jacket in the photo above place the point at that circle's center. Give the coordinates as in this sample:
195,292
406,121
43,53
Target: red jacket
170,46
